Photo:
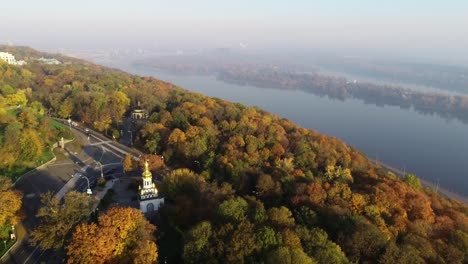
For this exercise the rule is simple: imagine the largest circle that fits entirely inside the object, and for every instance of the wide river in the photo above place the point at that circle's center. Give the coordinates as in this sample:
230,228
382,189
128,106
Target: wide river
434,148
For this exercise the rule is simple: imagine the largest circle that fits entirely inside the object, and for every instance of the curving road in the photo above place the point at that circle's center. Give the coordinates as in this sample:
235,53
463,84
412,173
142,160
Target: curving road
99,155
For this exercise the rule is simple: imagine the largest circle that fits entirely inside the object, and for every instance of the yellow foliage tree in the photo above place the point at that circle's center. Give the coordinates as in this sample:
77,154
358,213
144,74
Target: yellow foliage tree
128,163
10,201
18,98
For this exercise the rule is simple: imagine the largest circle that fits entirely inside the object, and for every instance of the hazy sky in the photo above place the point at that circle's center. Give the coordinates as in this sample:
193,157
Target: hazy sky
424,27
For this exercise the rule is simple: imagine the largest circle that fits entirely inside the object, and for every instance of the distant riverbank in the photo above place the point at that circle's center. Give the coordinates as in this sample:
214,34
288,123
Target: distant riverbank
424,102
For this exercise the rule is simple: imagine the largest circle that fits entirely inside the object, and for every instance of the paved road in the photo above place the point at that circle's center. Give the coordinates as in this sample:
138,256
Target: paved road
97,153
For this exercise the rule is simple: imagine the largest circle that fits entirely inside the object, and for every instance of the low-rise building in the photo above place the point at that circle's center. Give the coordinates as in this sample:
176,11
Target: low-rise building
49,61
139,113
10,59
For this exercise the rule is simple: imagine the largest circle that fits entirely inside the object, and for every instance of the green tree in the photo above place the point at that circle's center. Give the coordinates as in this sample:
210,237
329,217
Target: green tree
233,209
7,90
286,255
31,145
57,219
180,181
317,245
306,217
66,108
118,104
267,238
405,255
18,98
364,243
197,243
412,181
152,142
281,216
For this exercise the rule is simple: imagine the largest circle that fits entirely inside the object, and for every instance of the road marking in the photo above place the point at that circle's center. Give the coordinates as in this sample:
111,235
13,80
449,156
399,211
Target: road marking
39,257
61,164
31,195
34,251
100,143
111,164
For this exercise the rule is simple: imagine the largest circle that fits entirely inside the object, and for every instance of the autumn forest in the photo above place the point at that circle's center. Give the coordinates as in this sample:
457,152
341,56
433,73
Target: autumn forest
242,185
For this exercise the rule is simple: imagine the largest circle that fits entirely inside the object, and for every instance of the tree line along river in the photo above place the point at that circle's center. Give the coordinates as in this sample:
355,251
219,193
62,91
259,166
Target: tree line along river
432,147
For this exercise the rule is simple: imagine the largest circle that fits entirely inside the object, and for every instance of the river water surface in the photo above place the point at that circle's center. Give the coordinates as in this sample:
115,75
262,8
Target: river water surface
434,148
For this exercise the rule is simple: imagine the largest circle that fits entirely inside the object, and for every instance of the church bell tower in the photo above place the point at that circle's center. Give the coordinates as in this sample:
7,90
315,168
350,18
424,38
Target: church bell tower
148,193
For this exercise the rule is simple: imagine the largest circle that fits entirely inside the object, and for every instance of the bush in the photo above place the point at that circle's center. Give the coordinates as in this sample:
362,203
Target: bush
101,182
412,181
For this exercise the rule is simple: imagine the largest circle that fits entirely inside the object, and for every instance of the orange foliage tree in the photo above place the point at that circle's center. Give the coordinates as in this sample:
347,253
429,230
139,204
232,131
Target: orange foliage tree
122,235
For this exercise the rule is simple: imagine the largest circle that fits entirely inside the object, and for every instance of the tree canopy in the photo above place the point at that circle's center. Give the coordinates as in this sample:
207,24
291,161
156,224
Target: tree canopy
246,185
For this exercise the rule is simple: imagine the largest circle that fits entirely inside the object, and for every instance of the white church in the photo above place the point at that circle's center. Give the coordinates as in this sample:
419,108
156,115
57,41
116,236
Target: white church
149,198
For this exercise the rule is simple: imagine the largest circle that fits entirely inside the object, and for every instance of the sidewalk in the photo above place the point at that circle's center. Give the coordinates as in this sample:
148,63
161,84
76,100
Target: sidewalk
101,193
21,234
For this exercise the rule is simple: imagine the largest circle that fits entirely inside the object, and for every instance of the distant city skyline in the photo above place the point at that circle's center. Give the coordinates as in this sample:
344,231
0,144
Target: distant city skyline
418,28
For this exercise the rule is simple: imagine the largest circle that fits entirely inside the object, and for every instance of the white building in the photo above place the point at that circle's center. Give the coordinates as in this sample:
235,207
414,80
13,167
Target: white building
49,61
148,193
10,59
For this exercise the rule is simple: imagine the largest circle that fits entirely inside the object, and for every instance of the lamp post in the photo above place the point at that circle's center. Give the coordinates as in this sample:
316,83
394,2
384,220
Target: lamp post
131,137
198,165
13,235
88,191
100,166
69,122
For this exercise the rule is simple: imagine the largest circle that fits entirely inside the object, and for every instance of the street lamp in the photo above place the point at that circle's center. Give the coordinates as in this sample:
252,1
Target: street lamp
13,235
131,137
100,166
69,122
198,164
88,191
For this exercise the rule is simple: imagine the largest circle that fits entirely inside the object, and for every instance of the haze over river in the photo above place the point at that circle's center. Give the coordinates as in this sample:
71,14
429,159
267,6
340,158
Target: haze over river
434,148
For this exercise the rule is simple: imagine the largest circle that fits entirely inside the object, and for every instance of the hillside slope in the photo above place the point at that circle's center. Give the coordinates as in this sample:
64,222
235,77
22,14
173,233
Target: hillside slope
259,187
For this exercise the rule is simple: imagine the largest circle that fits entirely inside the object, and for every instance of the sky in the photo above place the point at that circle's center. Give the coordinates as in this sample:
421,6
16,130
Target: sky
424,28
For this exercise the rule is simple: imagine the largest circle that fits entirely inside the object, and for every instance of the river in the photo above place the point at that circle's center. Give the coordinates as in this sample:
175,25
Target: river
433,148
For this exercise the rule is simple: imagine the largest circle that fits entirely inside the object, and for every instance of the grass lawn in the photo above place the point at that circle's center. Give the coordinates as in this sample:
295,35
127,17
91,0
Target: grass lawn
62,130
5,232
4,247
5,236
21,168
